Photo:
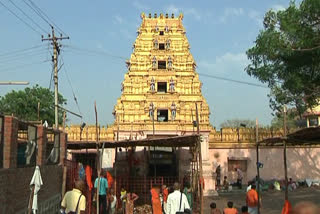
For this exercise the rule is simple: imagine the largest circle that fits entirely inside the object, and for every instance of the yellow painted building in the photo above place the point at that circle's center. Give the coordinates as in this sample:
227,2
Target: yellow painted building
161,81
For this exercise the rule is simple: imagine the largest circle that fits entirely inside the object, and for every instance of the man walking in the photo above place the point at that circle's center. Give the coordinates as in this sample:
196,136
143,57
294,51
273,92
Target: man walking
252,200
103,189
74,201
239,178
177,201
165,193
218,178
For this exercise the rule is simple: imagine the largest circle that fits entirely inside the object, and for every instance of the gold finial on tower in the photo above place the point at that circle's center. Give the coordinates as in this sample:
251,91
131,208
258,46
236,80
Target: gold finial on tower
143,15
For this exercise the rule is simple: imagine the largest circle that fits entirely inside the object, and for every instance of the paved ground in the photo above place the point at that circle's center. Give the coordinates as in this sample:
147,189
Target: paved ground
272,201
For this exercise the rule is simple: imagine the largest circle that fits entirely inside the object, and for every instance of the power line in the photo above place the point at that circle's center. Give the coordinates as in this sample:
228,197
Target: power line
22,56
95,52
28,16
13,13
8,70
68,79
21,50
232,80
42,15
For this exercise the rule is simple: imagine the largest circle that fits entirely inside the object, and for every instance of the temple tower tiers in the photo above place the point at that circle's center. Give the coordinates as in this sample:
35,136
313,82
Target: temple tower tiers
161,79
159,93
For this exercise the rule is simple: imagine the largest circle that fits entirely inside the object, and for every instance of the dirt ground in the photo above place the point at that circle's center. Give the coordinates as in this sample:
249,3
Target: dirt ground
272,201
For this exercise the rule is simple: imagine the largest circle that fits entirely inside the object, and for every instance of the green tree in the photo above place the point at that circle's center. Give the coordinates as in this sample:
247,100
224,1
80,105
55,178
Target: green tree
293,120
24,104
236,123
286,56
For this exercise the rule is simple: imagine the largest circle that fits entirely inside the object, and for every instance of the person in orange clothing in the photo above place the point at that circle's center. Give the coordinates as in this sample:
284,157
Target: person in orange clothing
165,193
286,207
230,209
252,200
156,203
89,177
110,179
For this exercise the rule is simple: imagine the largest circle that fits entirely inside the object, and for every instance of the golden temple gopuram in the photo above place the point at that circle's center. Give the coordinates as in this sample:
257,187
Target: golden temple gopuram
159,95
161,82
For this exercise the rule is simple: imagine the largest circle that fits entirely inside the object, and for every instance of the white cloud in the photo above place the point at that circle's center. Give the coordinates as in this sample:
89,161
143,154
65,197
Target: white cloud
117,19
226,63
186,11
139,6
172,9
230,12
278,7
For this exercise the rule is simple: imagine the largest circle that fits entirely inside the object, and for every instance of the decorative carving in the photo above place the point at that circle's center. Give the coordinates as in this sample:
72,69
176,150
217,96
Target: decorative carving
154,62
169,62
171,85
155,44
173,111
166,28
168,44
152,85
151,110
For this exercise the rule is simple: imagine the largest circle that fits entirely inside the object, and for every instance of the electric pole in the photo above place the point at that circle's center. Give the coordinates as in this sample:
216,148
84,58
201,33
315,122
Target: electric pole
56,51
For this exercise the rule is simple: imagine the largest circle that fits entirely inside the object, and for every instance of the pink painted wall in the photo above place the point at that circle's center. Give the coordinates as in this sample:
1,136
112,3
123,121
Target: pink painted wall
302,162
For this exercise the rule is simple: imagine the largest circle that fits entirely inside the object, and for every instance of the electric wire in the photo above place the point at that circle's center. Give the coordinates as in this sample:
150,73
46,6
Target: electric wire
95,52
13,13
22,56
43,15
73,93
28,16
21,50
51,78
8,70
86,51
232,80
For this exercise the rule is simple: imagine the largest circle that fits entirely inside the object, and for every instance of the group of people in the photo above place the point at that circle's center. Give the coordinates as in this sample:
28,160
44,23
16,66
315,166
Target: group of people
251,206
74,201
225,185
166,202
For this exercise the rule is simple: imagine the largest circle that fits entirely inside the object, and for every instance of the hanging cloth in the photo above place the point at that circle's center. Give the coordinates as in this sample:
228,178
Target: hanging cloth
36,181
89,177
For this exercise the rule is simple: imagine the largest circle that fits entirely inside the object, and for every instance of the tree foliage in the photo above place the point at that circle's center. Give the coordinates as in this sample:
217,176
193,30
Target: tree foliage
236,123
286,55
293,121
24,104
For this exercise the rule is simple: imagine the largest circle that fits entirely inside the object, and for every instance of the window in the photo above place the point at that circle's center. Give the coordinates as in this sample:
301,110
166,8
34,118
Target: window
27,145
313,121
234,163
162,87
162,115
161,46
53,148
161,33
1,140
162,64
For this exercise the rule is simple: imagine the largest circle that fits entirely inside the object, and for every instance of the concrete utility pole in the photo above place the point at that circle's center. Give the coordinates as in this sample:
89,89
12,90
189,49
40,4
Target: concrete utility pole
56,51
200,162
285,151
258,165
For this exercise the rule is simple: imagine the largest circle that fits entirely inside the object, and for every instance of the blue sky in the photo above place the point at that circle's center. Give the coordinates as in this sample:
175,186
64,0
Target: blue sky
219,33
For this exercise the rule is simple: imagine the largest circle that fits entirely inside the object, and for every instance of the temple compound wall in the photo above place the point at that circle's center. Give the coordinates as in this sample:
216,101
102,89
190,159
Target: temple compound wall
229,148
160,97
